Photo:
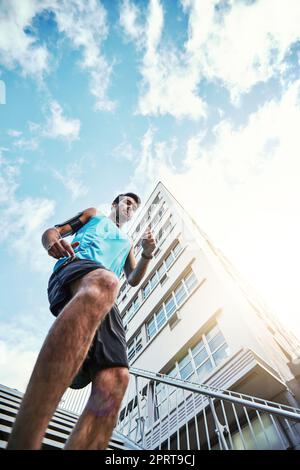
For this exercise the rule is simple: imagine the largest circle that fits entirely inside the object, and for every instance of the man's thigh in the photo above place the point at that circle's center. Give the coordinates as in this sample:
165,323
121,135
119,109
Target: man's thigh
90,277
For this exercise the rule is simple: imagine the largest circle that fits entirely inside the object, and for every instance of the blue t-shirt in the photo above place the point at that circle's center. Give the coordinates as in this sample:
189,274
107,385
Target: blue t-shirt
101,241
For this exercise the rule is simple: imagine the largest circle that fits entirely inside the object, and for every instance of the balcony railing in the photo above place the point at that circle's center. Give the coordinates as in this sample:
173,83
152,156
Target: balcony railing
161,412
168,413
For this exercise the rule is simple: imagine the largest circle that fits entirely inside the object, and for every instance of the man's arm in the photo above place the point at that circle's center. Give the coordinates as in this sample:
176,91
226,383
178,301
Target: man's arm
52,238
135,271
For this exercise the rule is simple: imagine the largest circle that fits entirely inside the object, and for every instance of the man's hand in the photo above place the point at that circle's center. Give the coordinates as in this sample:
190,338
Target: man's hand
148,243
61,248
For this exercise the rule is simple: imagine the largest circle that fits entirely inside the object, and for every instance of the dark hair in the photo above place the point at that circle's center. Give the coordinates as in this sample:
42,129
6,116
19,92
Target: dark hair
133,195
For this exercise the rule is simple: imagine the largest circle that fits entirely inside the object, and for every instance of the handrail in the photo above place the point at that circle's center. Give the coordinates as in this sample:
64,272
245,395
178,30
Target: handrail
217,393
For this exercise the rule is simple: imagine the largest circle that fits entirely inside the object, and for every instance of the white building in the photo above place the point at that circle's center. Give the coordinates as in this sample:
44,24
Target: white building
192,313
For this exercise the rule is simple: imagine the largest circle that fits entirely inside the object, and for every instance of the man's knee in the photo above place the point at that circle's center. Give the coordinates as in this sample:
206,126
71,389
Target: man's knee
108,389
113,380
100,283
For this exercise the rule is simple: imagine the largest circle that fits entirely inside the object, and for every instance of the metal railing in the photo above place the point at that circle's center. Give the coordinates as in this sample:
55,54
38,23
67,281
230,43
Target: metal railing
162,412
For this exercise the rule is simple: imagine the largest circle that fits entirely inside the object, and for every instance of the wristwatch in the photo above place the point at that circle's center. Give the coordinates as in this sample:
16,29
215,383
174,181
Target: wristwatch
146,256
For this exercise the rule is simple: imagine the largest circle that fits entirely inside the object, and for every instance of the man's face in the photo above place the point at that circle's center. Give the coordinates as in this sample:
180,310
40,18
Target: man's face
126,208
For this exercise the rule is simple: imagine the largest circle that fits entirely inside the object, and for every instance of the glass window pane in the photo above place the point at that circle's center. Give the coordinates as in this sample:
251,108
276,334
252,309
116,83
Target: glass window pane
193,378
159,387
176,249
221,354
180,294
154,280
130,310
160,318
151,328
170,306
200,356
213,332
197,347
203,370
161,271
215,342
169,260
146,290
184,361
173,372
190,281
186,371
131,351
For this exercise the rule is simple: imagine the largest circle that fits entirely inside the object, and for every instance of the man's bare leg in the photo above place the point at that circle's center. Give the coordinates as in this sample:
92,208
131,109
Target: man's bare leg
61,356
94,428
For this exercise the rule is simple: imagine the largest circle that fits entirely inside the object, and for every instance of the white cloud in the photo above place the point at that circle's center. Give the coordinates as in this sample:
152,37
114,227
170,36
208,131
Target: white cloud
26,144
243,190
83,22
129,21
124,150
14,133
151,161
23,219
16,366
236,44
240,43
60,127
71,179
169,82
18,48
19,346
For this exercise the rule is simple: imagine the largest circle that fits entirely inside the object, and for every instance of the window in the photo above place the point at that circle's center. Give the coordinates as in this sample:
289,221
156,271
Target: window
190,281
169,306
146,290
177,249
169,260
136,304
135,346
210,351
266,435
161,271
180,294
160,317
151,328
185,367
128,314
221,354
203,357
154,280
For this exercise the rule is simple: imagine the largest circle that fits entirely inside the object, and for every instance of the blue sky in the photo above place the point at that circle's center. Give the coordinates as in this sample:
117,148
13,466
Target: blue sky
103,97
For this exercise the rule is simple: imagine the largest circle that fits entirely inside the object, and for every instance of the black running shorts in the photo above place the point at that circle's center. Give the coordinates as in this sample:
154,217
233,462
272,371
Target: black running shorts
108,348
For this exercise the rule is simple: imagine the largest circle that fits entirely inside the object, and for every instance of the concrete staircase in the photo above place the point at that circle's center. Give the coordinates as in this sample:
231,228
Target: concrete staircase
59,427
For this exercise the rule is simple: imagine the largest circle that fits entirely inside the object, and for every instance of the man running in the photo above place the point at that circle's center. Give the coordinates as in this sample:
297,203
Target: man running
86,342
